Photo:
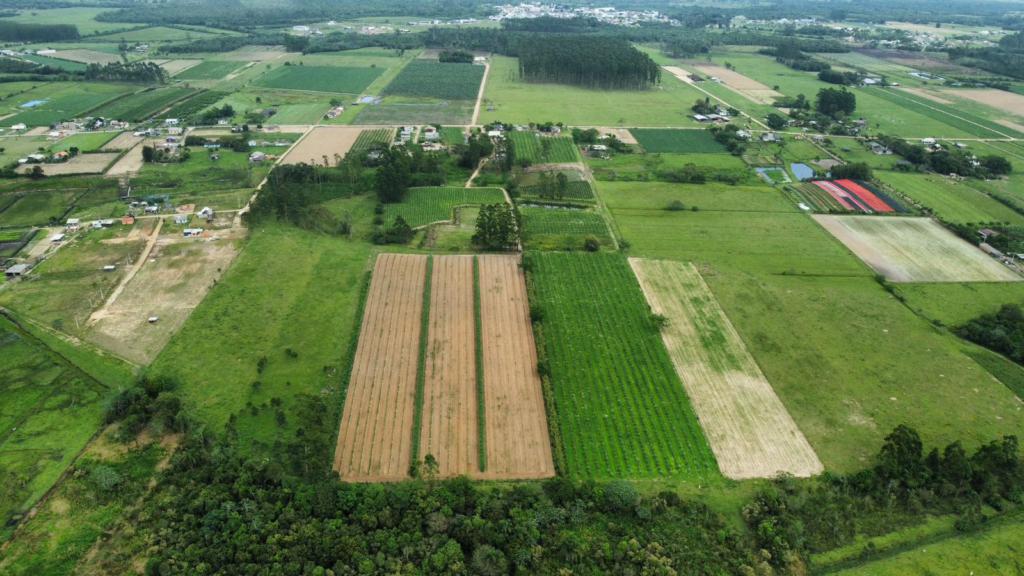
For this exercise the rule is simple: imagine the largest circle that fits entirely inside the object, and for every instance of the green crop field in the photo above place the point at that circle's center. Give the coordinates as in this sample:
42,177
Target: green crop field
406,110
193,105
551,228
576,191
84,141
424,206
209,70
950,200
677,141
341,79
370,138
310,309
291,107
535,149
143,105
62,101
620,407
55,62
50,410
445,81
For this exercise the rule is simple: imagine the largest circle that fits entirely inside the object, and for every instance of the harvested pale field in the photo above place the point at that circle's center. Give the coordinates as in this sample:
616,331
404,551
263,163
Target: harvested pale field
81,164
449,428
1001,100
86,56
747,87
1011,124
748,427
130,163
914,250
332,142
926,94
253,54
679,73
177,66
516,424
122,141
375,437
170,284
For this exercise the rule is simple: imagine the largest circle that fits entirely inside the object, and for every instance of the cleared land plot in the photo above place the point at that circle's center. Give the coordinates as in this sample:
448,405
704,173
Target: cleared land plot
169,285
427,205
914,250
442,80
375,438
178,66
209,70
536,149
747,87
749,429
130,163
677,141
516,424
341,79
81,164
87,56
122,141
449,426
324,144
254,53
620,407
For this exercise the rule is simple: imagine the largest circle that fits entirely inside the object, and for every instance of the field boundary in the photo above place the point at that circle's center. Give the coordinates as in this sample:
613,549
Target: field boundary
478,339
421,367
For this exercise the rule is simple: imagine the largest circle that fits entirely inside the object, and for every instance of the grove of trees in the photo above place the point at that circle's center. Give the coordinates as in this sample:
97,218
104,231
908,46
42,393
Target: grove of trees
590,61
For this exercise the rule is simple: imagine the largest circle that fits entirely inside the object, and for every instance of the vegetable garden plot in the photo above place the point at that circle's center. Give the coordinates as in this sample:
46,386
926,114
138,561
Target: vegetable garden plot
657,140
432,204
561,228
370,138
534,149
914,250
442,80
620,407
748,427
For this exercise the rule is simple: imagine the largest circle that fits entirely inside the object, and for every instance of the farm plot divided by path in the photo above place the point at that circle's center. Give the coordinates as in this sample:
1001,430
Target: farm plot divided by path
375,439
464,355
749,429
914,250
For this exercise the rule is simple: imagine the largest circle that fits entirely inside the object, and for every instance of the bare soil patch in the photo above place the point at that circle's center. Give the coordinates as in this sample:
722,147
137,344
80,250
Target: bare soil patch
747,87
906,249
253,54
323,145
1002,100
130,163
748,427
122,141
679,73
449,429
518,445
81,164
87,56
926,94
375,437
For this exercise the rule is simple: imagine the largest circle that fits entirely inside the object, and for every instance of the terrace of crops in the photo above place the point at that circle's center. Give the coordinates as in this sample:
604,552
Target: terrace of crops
339,79
441,80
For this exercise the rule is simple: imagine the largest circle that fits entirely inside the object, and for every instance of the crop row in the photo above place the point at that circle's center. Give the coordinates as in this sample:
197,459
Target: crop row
579,190
446,81
533,149
426,205
559,228
621,409
658,140
370,138
193,106
142,105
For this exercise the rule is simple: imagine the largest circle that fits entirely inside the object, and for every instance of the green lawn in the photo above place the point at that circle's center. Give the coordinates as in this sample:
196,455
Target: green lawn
954,201
306,288
667,104
620,408
340,79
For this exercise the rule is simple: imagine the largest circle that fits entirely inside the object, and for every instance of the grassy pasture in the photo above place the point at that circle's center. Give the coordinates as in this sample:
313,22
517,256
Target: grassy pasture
677,141
406,110
83,18
156,34
145,104
551,228
340,79
619,405
309,308
221,184
955,303
292,107
209,70
950,200
64,100
445,81
646,167
956,117
426,205
508,99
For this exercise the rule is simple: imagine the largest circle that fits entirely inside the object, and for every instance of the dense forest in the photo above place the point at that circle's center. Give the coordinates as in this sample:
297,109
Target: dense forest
20,32
1006,58
147,72
1002,331
590,61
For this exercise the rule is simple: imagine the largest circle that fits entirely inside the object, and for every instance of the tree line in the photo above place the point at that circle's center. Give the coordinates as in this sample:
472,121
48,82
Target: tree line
589,61
22,32
148,72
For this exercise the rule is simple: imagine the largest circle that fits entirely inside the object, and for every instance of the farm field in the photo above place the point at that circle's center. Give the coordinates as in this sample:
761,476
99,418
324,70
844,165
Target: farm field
406,110
508,99
208,70
375,438
853,196
339,79
677,141
748,88
290,107
914,250
953,201
554,228
184,110
575,191
427,205
60,101
87,56
955,303
310,308
647,167
54,62
372,137
83,18
50,411
532,148
444,81
747,426
145,104
323,146
619,405
94,163
85,141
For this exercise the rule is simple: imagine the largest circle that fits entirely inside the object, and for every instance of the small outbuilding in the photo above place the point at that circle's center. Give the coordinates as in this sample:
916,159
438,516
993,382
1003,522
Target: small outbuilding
16,271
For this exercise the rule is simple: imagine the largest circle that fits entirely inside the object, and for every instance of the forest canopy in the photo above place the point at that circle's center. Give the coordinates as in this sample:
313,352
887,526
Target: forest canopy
590,61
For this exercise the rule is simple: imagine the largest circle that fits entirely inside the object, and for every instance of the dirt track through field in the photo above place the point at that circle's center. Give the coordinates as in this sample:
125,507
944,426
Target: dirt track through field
907,249
449,429
375,437
926,94
748,427
747,87
516,424
332,142
122,141
1008,102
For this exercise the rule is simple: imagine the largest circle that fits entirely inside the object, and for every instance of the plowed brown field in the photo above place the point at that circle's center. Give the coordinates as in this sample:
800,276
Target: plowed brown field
375,439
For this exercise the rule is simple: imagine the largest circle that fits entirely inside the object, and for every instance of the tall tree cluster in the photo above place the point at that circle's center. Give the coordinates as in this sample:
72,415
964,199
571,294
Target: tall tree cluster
21,32
589,61
497,227
148,72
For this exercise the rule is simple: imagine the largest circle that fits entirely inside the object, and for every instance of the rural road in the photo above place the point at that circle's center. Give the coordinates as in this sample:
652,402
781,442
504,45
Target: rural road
102,310
480,94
